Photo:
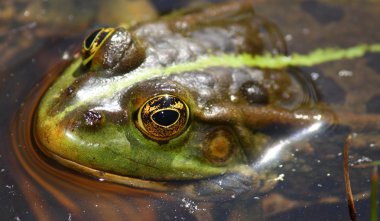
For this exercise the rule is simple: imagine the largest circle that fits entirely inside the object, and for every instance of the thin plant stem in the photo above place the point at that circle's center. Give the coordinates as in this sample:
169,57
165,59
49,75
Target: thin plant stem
350,198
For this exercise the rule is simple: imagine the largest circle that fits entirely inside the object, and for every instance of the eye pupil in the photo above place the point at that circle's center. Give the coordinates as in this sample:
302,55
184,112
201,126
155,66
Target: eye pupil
165,117
102,36
90,39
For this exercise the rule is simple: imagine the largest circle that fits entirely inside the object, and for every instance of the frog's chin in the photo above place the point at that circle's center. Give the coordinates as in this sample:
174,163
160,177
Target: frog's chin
240,181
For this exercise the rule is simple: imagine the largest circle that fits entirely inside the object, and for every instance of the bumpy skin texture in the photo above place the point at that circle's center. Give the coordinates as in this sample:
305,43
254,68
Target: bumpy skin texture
87,119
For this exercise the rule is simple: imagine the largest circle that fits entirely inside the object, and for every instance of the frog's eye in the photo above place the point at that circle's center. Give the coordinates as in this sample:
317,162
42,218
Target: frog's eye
93,42
162,117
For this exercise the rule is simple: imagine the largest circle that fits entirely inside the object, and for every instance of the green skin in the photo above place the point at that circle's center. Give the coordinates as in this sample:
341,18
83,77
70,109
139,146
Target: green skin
122,76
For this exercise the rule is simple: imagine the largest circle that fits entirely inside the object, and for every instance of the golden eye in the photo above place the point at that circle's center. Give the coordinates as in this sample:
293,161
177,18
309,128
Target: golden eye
162,117
93,42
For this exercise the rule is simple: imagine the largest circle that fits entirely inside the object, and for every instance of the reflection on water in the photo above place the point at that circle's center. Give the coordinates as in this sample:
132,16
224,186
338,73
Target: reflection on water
34,187
278,148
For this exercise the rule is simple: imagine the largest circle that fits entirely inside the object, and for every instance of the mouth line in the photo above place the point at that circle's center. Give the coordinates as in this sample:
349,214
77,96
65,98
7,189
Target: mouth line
233,182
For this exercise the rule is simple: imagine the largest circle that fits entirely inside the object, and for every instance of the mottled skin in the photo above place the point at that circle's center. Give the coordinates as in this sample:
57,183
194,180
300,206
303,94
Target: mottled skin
87,120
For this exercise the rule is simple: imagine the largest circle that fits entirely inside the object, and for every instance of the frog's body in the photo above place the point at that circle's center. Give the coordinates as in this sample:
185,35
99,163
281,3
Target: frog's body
92,118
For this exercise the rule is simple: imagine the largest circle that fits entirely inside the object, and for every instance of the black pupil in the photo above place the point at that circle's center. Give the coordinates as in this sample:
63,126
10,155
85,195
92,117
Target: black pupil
91,38
103,35
165,117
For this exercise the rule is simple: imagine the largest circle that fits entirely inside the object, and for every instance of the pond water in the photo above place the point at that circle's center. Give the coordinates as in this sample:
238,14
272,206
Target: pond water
34,38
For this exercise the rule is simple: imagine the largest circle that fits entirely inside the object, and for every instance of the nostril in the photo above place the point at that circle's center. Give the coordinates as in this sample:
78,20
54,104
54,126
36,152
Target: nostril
93,118
218,146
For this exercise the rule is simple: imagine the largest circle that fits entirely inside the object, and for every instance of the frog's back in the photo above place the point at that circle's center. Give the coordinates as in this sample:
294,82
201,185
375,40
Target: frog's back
231,29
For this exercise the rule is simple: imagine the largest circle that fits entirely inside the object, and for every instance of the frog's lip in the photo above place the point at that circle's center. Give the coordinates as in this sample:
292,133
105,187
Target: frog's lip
237,182
105,176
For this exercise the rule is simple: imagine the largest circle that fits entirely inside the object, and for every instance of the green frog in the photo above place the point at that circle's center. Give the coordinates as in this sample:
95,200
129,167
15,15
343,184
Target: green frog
161,105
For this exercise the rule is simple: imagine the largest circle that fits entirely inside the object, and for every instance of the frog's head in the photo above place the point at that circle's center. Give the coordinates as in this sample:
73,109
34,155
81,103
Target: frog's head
138,106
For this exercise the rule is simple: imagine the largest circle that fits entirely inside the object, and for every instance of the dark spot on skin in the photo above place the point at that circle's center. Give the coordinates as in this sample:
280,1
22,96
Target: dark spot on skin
373,62
69,91
328,90
92,118
373,105
322,12
254,93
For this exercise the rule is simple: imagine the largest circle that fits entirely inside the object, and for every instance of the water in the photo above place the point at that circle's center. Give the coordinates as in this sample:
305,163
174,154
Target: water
33,187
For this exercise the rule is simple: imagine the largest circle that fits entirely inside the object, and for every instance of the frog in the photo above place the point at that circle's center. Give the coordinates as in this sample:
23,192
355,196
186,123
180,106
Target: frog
141,105
61,192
